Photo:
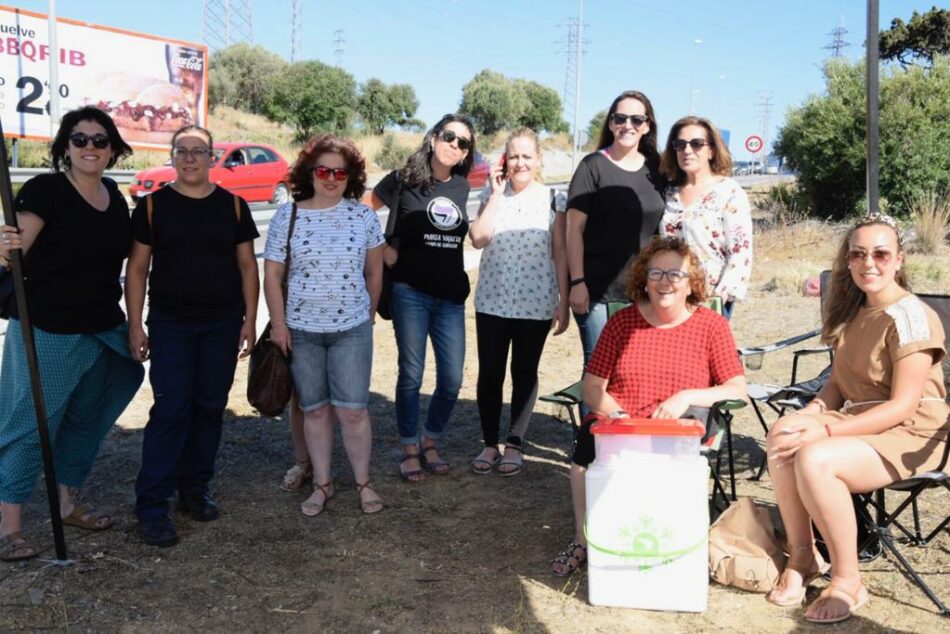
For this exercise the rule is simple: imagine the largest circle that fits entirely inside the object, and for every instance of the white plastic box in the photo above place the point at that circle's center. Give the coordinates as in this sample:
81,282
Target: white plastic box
648,516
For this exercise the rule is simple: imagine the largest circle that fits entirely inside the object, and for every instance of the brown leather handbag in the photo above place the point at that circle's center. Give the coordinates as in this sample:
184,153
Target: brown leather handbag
269,382
743,550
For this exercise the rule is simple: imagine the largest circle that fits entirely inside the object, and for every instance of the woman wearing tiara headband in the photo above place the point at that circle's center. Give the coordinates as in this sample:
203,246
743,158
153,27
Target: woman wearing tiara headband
876,421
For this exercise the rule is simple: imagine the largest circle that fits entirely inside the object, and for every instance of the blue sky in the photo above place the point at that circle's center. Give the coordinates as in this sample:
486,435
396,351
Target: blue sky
439,45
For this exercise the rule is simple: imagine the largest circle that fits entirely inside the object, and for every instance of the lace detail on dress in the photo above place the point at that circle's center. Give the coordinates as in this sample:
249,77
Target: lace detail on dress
910,319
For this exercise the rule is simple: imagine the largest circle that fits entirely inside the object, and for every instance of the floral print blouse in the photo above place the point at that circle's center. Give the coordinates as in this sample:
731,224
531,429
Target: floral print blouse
516,277
718,228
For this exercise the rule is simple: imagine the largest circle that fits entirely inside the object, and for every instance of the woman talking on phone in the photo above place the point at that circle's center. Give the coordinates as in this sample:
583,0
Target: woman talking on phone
521,293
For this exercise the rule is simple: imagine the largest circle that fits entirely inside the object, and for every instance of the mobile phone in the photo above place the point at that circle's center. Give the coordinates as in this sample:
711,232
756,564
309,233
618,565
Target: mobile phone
503,163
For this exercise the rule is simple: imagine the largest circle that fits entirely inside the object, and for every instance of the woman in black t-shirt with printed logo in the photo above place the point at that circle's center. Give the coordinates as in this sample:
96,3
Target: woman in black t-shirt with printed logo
425,255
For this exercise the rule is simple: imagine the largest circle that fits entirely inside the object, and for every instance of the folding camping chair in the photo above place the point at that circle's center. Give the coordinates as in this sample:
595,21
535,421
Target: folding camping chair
880,525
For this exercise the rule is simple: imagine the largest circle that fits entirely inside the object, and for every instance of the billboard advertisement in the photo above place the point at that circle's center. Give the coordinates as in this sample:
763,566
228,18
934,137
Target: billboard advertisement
149,85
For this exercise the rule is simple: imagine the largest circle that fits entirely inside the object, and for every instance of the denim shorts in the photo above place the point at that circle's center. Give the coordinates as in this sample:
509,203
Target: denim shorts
332,367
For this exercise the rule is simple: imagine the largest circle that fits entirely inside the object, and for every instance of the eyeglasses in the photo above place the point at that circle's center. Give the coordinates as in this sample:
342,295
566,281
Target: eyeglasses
697,144
196,153
880,256
324,173
81,140
636,120
448,136
673,275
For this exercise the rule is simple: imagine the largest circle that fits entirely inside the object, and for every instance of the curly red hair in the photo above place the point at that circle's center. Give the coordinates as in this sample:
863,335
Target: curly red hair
301,172
636,285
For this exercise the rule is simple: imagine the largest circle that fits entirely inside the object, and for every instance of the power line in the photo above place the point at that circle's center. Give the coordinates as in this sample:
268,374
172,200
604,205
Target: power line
574,46
338,44
837,39
296,29
226,22
764,108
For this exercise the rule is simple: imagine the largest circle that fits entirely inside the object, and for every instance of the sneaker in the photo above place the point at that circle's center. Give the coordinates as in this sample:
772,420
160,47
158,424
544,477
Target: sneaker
200,508
158,532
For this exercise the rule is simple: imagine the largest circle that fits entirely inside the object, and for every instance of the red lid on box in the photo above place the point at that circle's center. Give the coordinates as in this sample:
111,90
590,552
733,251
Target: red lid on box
651,427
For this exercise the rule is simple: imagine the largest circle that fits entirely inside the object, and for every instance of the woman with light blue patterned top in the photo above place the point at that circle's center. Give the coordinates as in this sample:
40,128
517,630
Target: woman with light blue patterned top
326,325
522,293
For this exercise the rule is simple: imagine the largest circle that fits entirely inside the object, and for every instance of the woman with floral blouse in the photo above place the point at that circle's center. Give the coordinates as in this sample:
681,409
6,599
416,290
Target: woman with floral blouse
521,293
707,208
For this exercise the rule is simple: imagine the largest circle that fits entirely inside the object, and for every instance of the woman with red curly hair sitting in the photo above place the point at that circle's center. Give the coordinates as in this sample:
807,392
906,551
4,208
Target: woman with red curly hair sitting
654,359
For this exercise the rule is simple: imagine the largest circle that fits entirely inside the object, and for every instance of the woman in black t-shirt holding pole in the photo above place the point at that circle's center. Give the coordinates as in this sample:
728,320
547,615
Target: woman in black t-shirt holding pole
615,203
203,292
425,254
74,230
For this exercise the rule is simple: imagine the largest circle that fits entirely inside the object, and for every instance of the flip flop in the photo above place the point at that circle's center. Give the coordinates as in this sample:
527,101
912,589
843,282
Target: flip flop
484,467
88,518
14,547
436,467
516,467
854,602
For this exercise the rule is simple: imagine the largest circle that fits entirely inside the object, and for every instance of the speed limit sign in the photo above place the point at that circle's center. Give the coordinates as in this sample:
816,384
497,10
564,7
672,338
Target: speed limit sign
753,143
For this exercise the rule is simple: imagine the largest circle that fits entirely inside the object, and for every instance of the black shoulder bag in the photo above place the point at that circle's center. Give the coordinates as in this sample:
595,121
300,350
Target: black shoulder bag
269,383
384,308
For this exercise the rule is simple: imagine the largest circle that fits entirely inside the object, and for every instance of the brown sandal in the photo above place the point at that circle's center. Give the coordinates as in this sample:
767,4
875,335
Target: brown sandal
816,569
572,559
373,506
14,547
852,602
88,518
413,475
311,508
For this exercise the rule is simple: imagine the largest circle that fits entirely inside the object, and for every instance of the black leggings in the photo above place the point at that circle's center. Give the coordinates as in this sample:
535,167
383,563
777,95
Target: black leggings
526,339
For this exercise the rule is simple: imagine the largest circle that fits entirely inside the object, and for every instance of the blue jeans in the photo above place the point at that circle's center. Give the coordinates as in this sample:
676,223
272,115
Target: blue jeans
590,325
191,371
417,316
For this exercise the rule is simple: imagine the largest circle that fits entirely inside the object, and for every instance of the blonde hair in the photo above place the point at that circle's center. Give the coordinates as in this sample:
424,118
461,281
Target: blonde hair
533,136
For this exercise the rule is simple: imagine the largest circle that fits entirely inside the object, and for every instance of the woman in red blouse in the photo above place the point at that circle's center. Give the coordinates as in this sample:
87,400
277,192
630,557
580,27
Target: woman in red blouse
656,358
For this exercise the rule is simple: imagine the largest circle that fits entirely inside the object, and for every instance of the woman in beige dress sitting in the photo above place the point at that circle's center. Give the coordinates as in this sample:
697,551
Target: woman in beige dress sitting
880,418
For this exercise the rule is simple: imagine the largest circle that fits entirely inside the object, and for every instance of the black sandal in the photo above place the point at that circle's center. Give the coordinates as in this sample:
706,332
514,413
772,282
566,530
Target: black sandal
573,557
416,475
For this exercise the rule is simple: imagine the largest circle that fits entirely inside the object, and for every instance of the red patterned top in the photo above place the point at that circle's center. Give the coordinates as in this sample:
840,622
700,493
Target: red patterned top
645,365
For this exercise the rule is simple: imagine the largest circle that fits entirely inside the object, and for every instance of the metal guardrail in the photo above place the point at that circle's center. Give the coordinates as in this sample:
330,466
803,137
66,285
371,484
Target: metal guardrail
23,174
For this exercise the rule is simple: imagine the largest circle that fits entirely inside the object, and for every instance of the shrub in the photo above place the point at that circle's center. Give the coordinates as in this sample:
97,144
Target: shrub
391,155
930,213
784,205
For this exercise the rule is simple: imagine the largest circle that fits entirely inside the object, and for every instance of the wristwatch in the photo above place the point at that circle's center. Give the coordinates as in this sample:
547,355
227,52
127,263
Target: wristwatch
618,414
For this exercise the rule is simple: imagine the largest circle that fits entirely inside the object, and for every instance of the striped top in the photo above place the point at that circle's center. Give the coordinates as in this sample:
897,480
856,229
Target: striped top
326,288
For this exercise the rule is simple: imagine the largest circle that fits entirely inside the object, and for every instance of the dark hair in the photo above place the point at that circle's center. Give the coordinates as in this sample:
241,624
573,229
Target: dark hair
193,128
720,164
418,169
844,297
647,145
59,146
301,172
636,285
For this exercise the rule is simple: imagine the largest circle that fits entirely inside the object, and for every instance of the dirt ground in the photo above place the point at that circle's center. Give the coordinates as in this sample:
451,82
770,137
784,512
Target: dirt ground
460,553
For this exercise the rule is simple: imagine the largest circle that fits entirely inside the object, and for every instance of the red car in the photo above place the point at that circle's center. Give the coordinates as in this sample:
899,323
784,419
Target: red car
481,170
255,172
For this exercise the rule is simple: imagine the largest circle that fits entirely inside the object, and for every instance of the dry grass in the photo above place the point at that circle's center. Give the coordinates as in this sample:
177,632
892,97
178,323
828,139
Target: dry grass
930,213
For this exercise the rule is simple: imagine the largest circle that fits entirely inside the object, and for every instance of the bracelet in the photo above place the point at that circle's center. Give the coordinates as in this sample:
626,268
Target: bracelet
579,280
828,429
822,408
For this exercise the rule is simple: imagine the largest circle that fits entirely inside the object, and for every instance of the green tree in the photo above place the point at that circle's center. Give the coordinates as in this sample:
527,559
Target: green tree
824,139
926,36
543,111
240,76
491,101
374,107
402,98
313,97
593,129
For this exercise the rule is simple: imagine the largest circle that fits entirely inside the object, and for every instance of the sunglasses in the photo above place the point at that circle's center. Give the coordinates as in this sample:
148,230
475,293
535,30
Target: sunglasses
636,120
197,153
697,144
673,275
448,136
81,140
859,256
324,173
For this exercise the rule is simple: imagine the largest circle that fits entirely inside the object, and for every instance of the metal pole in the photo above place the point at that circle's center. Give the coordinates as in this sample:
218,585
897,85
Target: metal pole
54,110
873,91
16,266
575,146
692,85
